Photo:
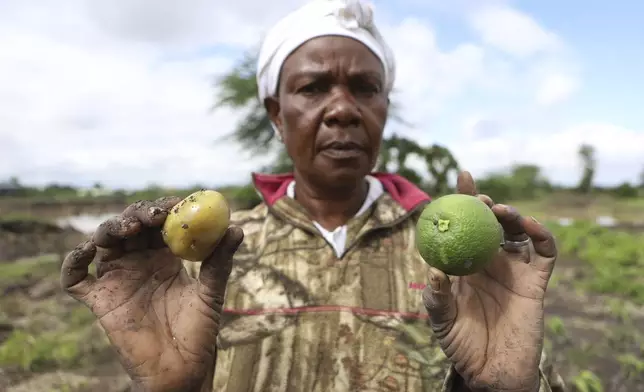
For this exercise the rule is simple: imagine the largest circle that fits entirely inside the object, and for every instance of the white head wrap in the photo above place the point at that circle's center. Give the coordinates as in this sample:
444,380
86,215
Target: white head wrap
348,18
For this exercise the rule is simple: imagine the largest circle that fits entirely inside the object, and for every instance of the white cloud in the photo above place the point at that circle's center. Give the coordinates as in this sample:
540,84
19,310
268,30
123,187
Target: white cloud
94,106
426,75
539,55
555,88
189,22
88,93
512,31
168,23
618,151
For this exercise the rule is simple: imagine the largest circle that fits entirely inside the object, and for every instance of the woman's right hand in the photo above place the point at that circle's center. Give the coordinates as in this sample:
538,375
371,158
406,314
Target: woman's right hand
162,323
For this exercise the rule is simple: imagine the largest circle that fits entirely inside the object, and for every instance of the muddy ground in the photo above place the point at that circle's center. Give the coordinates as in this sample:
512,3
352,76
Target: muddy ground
49,342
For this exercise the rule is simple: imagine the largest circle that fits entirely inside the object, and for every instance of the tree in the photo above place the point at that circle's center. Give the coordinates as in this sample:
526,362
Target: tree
521,182
438,159
399,148
625,190
587,156
238,90
440,163
528,178
14,182
281,164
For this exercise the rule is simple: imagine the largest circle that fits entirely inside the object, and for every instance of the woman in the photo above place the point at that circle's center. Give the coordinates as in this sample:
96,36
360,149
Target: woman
324,291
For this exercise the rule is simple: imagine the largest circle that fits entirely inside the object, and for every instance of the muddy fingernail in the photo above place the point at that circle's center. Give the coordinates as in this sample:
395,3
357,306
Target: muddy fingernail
156,214
129,225
535,220
434,282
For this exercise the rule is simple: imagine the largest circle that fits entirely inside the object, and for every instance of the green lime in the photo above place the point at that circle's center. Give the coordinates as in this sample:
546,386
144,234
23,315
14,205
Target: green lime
458,234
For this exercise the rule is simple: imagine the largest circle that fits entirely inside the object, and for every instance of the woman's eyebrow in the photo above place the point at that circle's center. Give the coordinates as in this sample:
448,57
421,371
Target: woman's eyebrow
321,73
310,73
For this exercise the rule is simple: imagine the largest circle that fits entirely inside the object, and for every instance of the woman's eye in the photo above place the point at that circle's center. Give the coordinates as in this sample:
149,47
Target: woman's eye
313,88
366,88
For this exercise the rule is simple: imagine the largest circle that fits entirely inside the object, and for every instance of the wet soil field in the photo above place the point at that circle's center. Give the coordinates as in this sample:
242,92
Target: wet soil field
49,342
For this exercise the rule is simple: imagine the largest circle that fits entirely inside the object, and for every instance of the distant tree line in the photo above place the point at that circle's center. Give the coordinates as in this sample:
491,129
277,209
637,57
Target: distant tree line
519,182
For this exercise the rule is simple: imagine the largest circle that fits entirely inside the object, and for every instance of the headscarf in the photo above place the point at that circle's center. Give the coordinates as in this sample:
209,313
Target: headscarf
348,18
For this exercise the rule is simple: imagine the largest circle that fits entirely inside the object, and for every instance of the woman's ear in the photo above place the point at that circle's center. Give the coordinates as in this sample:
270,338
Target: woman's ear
272,106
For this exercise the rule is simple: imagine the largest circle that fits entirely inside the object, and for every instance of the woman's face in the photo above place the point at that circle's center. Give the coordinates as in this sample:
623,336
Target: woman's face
331,110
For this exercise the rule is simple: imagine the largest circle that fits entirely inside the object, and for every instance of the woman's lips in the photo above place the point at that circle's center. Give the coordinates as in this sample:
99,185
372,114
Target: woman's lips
337,153
343,150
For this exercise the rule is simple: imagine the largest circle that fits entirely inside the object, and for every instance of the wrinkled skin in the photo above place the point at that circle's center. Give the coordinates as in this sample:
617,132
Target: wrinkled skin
332,91
490,324
162,323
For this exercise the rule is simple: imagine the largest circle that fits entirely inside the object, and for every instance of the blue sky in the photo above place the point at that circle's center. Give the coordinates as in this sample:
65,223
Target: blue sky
608,39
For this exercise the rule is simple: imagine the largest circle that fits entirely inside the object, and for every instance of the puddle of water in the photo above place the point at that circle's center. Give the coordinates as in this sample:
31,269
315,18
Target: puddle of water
84,223
604,221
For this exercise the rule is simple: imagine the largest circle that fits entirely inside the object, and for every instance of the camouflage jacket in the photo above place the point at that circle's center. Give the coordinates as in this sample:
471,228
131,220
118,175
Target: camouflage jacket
298,318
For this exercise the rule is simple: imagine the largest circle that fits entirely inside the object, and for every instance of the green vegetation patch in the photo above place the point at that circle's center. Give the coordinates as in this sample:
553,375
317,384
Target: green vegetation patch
60,338
615,258
50,333
21,270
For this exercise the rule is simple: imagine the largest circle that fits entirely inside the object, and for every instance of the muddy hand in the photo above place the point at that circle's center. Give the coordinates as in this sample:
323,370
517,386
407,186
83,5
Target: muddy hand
162,323
490,324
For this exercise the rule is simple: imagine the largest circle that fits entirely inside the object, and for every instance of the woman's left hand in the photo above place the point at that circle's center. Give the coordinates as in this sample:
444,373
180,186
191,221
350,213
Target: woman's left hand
491,324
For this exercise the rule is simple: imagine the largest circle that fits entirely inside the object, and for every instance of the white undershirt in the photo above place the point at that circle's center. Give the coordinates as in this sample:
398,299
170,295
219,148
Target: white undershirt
338,237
